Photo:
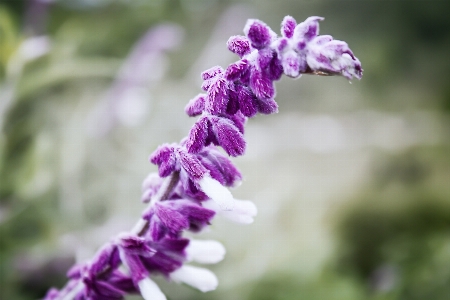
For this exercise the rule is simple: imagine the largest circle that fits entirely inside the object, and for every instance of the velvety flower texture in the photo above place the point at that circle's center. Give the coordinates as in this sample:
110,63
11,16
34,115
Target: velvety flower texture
191,186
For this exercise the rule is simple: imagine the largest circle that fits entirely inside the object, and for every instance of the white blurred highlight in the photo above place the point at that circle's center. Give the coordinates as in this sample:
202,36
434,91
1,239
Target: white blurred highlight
244,211
205,251
199,278
217,192
150,290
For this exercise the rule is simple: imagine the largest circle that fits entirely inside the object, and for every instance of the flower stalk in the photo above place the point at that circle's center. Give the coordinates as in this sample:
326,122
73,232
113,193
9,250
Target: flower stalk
194,175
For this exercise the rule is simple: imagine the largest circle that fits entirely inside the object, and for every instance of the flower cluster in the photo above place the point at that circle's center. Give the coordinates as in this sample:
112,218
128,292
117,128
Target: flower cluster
193,175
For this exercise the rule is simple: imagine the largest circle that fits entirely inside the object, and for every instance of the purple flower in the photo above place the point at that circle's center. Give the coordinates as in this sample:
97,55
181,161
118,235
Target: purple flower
219,166
195,177
334,57
196,105
239,45
302,50
170,217
217,89
86,284
173,157
102,289
143,257
259,34
216,130
166,255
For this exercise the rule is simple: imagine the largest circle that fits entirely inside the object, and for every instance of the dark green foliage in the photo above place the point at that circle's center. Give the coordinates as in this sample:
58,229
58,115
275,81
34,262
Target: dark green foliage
404,222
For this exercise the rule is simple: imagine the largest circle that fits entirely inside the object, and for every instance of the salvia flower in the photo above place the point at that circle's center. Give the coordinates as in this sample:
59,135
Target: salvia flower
301,49
171,217
191,186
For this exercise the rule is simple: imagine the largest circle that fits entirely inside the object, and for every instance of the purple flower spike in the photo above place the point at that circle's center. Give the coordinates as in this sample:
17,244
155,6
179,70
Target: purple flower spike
287,26
259,34
196,105
239,45
201,171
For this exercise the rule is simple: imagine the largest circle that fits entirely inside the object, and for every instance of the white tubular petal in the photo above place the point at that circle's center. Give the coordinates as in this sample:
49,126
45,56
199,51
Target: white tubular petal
149,290
217,192
199,278
205,252
243,212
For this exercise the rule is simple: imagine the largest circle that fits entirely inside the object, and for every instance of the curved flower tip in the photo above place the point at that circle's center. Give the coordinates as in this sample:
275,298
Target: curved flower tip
205,252
150,290
288,26
217,192
239,45
244,211
334,57
308,29
164,157
196,105
259,34
199,278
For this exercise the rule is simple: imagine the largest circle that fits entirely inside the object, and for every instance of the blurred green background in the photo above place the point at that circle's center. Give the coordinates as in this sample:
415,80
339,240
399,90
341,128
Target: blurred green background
352,181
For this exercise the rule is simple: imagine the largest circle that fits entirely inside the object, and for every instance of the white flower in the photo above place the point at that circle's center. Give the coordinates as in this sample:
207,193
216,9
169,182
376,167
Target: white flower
217,192
199,278
149,290
205,251
243,212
